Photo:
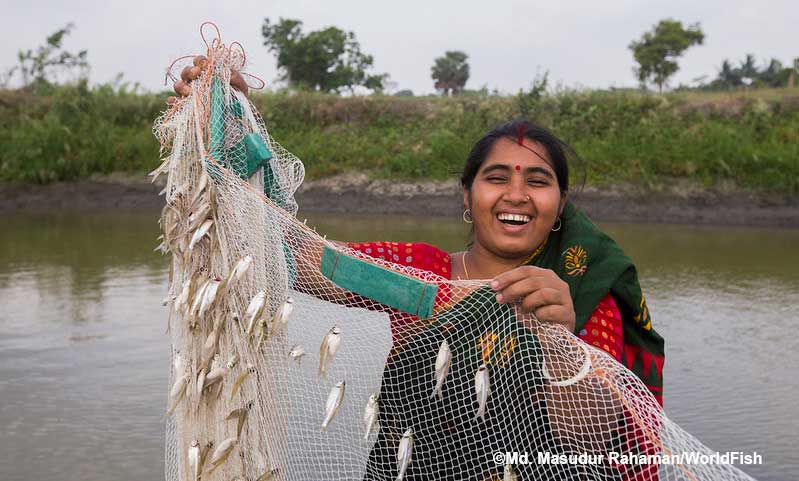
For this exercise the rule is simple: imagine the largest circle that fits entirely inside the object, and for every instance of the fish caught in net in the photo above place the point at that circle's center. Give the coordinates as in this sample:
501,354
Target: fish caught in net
298,358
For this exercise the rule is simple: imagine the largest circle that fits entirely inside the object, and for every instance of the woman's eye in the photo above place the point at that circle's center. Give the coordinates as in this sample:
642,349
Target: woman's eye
496,179
538,182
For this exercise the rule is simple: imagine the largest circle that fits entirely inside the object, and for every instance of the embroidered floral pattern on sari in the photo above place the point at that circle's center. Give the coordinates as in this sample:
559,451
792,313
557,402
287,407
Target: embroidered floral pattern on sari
576,260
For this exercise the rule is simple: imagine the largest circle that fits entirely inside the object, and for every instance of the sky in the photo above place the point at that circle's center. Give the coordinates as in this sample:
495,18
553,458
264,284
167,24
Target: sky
582,44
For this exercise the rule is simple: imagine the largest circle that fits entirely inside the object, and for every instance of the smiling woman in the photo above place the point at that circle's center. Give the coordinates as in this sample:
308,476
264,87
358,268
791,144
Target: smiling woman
544,257
540,251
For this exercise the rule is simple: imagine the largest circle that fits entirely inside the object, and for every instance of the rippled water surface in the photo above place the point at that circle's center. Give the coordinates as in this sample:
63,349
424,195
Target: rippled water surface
83,355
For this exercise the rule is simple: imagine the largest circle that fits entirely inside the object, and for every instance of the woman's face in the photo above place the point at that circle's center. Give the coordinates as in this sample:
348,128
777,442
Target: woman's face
514,199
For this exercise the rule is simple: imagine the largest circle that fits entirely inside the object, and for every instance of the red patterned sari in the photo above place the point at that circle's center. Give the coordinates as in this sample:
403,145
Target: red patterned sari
603,329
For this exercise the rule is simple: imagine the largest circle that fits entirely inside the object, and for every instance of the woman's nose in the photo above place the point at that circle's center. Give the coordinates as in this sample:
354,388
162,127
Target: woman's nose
517,192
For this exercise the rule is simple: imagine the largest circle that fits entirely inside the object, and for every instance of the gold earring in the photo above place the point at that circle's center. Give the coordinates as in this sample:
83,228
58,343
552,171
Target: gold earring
467,216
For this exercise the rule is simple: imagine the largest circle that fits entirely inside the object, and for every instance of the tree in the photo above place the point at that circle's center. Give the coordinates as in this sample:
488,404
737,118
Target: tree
774,75
49,60
327,60
748,68
658,50
729,76
528,101
451,72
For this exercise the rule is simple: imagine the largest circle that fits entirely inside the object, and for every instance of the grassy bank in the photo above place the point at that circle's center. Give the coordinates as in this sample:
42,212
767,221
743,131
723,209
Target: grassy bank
749,140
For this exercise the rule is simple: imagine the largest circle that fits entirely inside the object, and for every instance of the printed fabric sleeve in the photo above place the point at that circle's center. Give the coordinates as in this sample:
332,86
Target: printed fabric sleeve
412,254
604,328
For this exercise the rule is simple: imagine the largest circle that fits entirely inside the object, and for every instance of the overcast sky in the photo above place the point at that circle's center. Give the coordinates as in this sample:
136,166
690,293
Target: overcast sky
582,44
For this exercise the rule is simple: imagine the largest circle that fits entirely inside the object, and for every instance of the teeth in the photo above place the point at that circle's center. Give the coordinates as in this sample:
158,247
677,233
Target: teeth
514,217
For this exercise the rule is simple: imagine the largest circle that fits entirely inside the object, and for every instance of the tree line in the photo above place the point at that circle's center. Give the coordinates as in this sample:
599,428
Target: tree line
331,60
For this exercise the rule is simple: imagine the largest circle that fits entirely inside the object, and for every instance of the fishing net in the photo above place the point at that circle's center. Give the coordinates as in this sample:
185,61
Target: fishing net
372,370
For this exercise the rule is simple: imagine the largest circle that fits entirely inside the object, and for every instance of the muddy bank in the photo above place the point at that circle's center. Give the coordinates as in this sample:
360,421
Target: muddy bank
677,204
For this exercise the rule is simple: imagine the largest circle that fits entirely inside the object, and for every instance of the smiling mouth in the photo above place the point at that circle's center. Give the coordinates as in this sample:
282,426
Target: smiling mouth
513,219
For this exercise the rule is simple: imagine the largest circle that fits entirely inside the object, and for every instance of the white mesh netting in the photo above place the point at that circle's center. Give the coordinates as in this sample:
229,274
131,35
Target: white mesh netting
431,397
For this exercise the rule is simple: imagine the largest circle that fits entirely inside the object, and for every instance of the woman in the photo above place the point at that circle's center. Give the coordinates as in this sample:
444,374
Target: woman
547,258
541,251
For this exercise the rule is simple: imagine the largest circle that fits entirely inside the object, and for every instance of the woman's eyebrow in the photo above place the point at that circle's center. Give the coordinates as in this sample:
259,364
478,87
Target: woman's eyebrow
494,167
539,170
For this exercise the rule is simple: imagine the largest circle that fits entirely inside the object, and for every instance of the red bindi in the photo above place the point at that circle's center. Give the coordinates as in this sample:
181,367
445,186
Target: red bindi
518,168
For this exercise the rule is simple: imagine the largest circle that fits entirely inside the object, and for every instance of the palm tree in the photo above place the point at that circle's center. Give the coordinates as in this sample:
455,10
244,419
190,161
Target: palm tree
748,68
729,76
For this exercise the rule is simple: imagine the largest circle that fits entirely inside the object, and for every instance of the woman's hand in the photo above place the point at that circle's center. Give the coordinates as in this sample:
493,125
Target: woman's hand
183,86
539,291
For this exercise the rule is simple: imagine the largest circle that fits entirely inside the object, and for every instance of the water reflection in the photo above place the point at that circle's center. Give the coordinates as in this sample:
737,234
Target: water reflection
83,353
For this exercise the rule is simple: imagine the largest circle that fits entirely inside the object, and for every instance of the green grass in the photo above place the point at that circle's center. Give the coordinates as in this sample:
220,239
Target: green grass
750,139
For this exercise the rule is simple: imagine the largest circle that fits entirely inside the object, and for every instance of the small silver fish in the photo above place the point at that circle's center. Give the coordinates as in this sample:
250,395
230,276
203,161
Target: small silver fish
198,299
204,450
509,474
211,345
200,233
333,403
201,381
177,362
183,298
209,296
328,349
201,185
240,415
177,392
197,216
194,460
254,310
443,361
370,414
238,271
296,353
482,387
404,453
282,315
239,380
215,376
161,247
160,169
268,476
263,333
221,453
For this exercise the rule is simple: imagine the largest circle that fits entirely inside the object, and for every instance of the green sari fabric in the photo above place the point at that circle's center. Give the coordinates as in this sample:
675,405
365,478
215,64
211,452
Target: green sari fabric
593,266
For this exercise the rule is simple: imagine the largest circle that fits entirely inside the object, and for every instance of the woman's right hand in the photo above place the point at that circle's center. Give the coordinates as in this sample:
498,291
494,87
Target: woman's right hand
183,86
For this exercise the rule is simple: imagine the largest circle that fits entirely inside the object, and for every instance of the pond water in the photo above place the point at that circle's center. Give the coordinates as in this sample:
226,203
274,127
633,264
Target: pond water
84,359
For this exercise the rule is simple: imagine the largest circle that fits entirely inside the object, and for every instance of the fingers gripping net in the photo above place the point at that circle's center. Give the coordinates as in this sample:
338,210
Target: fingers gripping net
254,377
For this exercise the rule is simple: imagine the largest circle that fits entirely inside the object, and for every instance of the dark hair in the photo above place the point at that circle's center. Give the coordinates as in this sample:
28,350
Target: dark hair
558,151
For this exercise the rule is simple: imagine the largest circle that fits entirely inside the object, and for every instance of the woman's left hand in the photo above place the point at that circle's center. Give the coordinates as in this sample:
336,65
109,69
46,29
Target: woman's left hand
539,291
